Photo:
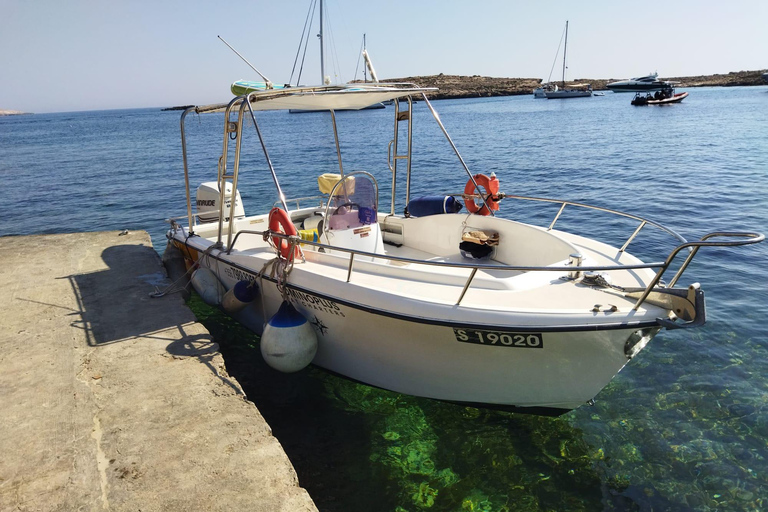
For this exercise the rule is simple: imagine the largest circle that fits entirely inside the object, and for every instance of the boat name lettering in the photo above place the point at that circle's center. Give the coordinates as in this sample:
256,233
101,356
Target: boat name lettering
310,301
499,338
239,275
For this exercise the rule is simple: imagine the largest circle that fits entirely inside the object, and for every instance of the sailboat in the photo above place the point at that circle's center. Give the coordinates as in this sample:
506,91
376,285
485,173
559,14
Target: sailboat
374,78
562,92
326,80
541,90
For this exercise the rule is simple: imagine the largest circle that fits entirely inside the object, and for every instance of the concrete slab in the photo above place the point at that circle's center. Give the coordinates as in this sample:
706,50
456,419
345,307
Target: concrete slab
112,400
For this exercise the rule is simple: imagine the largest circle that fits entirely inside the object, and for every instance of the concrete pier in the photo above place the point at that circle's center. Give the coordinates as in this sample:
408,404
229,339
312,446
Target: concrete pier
112,400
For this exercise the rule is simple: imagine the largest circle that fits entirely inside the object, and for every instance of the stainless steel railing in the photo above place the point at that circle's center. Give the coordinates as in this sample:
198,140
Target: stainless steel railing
747,238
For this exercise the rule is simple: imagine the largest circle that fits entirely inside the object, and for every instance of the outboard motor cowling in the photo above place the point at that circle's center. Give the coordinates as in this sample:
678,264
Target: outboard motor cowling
208,202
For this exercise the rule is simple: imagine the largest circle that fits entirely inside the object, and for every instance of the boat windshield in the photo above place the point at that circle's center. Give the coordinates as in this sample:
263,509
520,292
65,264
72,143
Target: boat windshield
353,203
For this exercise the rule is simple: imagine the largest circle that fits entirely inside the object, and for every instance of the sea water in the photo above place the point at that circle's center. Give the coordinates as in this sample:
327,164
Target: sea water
682,427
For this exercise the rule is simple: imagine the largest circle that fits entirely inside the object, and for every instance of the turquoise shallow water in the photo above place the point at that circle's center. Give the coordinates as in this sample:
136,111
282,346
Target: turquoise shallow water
682,427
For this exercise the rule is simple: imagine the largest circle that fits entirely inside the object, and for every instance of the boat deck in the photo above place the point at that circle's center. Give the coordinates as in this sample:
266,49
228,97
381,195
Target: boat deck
393,284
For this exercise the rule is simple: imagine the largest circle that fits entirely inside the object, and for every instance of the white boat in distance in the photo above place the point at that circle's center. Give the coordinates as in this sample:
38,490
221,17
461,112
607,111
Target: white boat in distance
640,84
562,92
464,307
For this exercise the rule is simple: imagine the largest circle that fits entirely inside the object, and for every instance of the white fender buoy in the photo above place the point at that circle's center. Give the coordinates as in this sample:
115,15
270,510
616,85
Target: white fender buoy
207,285
176,268
239,296
289,343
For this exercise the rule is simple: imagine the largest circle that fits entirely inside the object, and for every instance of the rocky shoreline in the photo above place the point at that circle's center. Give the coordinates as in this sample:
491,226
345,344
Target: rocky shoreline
461,86
458,86
475,86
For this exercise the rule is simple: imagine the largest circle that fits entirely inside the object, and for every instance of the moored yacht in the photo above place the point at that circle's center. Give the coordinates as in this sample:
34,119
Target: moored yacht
640,84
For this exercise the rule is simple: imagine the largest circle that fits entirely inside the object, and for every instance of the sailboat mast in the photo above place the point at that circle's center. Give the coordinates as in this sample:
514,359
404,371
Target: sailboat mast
565,50
320,35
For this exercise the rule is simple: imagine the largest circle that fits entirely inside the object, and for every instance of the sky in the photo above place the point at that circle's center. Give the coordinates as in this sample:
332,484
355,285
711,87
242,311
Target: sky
59,56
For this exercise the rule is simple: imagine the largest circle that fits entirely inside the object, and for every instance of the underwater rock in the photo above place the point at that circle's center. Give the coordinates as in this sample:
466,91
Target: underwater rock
356,397
476,501
424,497
740,410
391,436
446,477
417,459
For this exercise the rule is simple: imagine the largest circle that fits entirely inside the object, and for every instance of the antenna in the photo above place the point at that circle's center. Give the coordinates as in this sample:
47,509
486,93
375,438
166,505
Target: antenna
267,80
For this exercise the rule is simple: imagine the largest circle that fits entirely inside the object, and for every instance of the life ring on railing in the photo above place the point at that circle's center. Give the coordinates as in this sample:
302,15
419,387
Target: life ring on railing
280,222
491,186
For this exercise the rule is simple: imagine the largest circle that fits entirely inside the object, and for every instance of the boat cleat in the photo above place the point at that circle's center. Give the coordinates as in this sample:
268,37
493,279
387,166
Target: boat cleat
683,304
610,309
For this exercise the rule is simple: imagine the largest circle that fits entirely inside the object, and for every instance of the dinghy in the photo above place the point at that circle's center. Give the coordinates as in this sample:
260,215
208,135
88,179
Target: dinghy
443,299
665,97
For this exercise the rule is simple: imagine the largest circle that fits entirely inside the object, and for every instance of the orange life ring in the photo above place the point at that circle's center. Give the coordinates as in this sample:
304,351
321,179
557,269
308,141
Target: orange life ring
491,186
279,222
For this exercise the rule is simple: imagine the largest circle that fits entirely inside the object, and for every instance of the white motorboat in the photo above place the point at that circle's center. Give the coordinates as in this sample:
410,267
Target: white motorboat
464,307
575,91
640,84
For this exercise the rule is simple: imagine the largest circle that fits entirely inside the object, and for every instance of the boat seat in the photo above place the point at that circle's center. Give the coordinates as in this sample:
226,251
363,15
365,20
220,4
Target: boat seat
351,219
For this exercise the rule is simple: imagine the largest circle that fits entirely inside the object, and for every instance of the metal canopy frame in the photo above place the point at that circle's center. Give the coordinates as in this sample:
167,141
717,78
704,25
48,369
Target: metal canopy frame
241,103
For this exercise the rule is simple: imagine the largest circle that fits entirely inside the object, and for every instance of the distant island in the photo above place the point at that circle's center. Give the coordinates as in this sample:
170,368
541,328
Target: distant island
457,86
460,86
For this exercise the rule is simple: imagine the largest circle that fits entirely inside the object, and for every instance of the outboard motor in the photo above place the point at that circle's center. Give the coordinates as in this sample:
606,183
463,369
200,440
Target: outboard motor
208,202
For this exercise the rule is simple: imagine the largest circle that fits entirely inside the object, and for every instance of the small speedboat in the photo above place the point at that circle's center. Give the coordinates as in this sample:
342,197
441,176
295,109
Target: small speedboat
640,84
664,97
433,296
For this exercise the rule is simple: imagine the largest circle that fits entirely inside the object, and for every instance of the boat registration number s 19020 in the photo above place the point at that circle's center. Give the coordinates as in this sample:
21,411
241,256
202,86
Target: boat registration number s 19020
500,339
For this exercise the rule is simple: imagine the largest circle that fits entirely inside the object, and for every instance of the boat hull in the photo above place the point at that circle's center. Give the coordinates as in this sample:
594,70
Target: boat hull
677,98
445,355
567,93
637,87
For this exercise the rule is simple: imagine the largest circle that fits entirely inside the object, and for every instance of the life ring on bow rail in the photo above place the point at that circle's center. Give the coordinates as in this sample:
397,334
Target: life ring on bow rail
280,222
491,186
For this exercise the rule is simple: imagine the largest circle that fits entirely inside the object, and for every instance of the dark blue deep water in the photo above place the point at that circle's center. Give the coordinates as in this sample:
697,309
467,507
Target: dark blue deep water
683,427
